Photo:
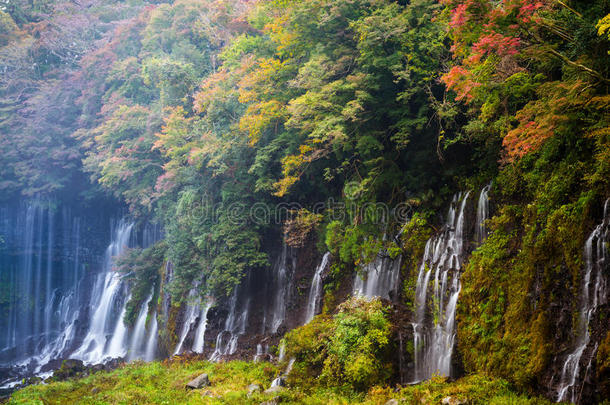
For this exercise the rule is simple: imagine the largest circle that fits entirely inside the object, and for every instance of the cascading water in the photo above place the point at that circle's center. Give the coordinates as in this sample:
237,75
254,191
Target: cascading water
281,283
190,317
40,267
137,344
63,297
380,278
235,326
482,214
592,294
105,298
315,291
433,341
199,340
151,346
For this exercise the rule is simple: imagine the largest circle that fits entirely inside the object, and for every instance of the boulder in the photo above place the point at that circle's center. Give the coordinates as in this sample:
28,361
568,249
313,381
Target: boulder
69,368
252,388
199,382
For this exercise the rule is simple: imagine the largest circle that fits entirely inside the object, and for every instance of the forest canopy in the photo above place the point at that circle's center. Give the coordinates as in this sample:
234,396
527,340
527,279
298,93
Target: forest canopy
171,106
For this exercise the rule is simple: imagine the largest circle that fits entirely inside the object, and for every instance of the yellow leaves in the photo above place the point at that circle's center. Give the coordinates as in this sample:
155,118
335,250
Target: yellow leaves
261,80
293,166
603,26
259,117
283,185
278,33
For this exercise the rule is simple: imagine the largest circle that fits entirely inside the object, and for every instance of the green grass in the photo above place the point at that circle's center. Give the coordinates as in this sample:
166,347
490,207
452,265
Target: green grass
164,383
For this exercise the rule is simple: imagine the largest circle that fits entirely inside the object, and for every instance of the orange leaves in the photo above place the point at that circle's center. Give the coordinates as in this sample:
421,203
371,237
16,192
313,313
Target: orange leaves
541,119
529,135
461,81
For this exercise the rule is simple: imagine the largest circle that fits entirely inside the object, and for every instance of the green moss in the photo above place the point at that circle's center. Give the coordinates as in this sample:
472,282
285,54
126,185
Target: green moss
533,254
413,240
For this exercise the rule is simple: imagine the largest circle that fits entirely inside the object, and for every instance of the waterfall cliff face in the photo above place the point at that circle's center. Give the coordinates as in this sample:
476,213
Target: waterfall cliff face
62,298
593,293
106,332
379,278
314,299
436,295
47,254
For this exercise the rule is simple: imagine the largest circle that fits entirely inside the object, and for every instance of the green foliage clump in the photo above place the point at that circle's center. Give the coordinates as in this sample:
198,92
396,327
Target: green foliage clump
142,268
350,348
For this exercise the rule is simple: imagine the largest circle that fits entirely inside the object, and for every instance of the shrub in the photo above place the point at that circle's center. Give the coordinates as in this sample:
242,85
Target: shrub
350,348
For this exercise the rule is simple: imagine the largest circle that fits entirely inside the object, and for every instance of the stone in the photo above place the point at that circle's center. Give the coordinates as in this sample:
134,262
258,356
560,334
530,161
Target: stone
252,388
272,402
453,401
392,402
95,390
199,382
69,368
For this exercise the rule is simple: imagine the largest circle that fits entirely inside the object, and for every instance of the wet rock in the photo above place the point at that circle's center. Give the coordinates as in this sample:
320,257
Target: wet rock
252,388
199,382
97,368
279,382
113,364
69,368
453,401
33,380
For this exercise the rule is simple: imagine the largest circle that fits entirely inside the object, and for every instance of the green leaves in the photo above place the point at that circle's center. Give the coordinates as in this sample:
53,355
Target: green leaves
353,347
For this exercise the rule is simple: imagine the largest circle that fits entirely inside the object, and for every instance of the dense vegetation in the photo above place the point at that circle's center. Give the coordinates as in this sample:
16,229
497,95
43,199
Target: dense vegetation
193,111
163,383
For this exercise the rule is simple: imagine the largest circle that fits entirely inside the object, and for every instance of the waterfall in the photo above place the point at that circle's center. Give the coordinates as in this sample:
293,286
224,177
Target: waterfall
433,341
105,297
190,316
315,291
203,323
380,278
117,346
151,346
282,279
592,293
136,346
282,351
278,382
38,257
482,214
261,351
53,309
235,326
